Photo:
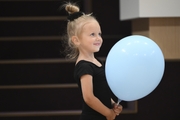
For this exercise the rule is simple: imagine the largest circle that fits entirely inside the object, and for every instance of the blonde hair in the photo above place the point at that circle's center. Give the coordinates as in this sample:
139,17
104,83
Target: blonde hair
74,27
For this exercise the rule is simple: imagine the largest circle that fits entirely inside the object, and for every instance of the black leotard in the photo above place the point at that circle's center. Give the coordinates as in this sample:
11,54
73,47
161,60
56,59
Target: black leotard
100,88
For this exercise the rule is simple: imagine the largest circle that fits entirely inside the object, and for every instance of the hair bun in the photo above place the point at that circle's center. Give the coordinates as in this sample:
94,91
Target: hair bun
71,8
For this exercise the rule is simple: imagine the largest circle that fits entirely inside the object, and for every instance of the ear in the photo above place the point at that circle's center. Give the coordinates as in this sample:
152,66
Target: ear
75,40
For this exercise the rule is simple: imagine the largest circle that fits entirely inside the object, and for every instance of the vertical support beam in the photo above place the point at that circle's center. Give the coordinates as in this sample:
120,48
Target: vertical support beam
140,27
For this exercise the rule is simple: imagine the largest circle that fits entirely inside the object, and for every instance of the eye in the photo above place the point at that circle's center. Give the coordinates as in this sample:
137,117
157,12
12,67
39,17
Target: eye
100,34
92,34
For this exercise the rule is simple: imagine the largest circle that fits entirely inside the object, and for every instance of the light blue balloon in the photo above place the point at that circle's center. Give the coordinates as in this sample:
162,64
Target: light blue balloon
134,67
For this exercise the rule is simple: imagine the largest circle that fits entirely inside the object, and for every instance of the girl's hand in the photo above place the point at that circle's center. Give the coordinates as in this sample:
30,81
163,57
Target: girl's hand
117,108
111,115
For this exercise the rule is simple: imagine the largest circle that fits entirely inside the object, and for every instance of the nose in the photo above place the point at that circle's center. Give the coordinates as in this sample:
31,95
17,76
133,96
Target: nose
99,38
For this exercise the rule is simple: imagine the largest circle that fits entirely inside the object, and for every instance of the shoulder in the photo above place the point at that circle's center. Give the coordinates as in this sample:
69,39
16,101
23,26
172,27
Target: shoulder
83,67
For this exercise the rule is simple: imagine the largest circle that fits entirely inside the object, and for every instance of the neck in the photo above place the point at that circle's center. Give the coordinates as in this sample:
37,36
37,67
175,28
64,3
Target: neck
89,57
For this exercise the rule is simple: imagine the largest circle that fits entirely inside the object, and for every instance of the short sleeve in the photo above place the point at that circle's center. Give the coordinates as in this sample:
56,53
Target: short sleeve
83,68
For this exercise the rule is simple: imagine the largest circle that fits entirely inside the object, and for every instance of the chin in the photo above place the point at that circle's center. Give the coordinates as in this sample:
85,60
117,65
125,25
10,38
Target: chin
96,51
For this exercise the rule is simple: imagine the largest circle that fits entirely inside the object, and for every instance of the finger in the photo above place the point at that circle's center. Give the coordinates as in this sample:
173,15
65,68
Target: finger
121,106
115,106
117,113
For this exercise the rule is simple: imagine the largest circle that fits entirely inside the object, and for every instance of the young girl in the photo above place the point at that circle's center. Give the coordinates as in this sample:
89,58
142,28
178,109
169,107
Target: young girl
84,39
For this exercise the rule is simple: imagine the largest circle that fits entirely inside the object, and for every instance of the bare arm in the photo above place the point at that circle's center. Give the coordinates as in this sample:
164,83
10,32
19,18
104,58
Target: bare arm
91,100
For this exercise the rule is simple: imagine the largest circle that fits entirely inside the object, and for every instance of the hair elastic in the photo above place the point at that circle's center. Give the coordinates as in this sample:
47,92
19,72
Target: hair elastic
74,16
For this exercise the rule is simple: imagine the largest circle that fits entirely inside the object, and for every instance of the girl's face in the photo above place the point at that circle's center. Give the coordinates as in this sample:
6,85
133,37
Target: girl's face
90,39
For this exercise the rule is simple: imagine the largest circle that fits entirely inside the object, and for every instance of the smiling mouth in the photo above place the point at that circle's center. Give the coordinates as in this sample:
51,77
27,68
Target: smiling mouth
97,44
